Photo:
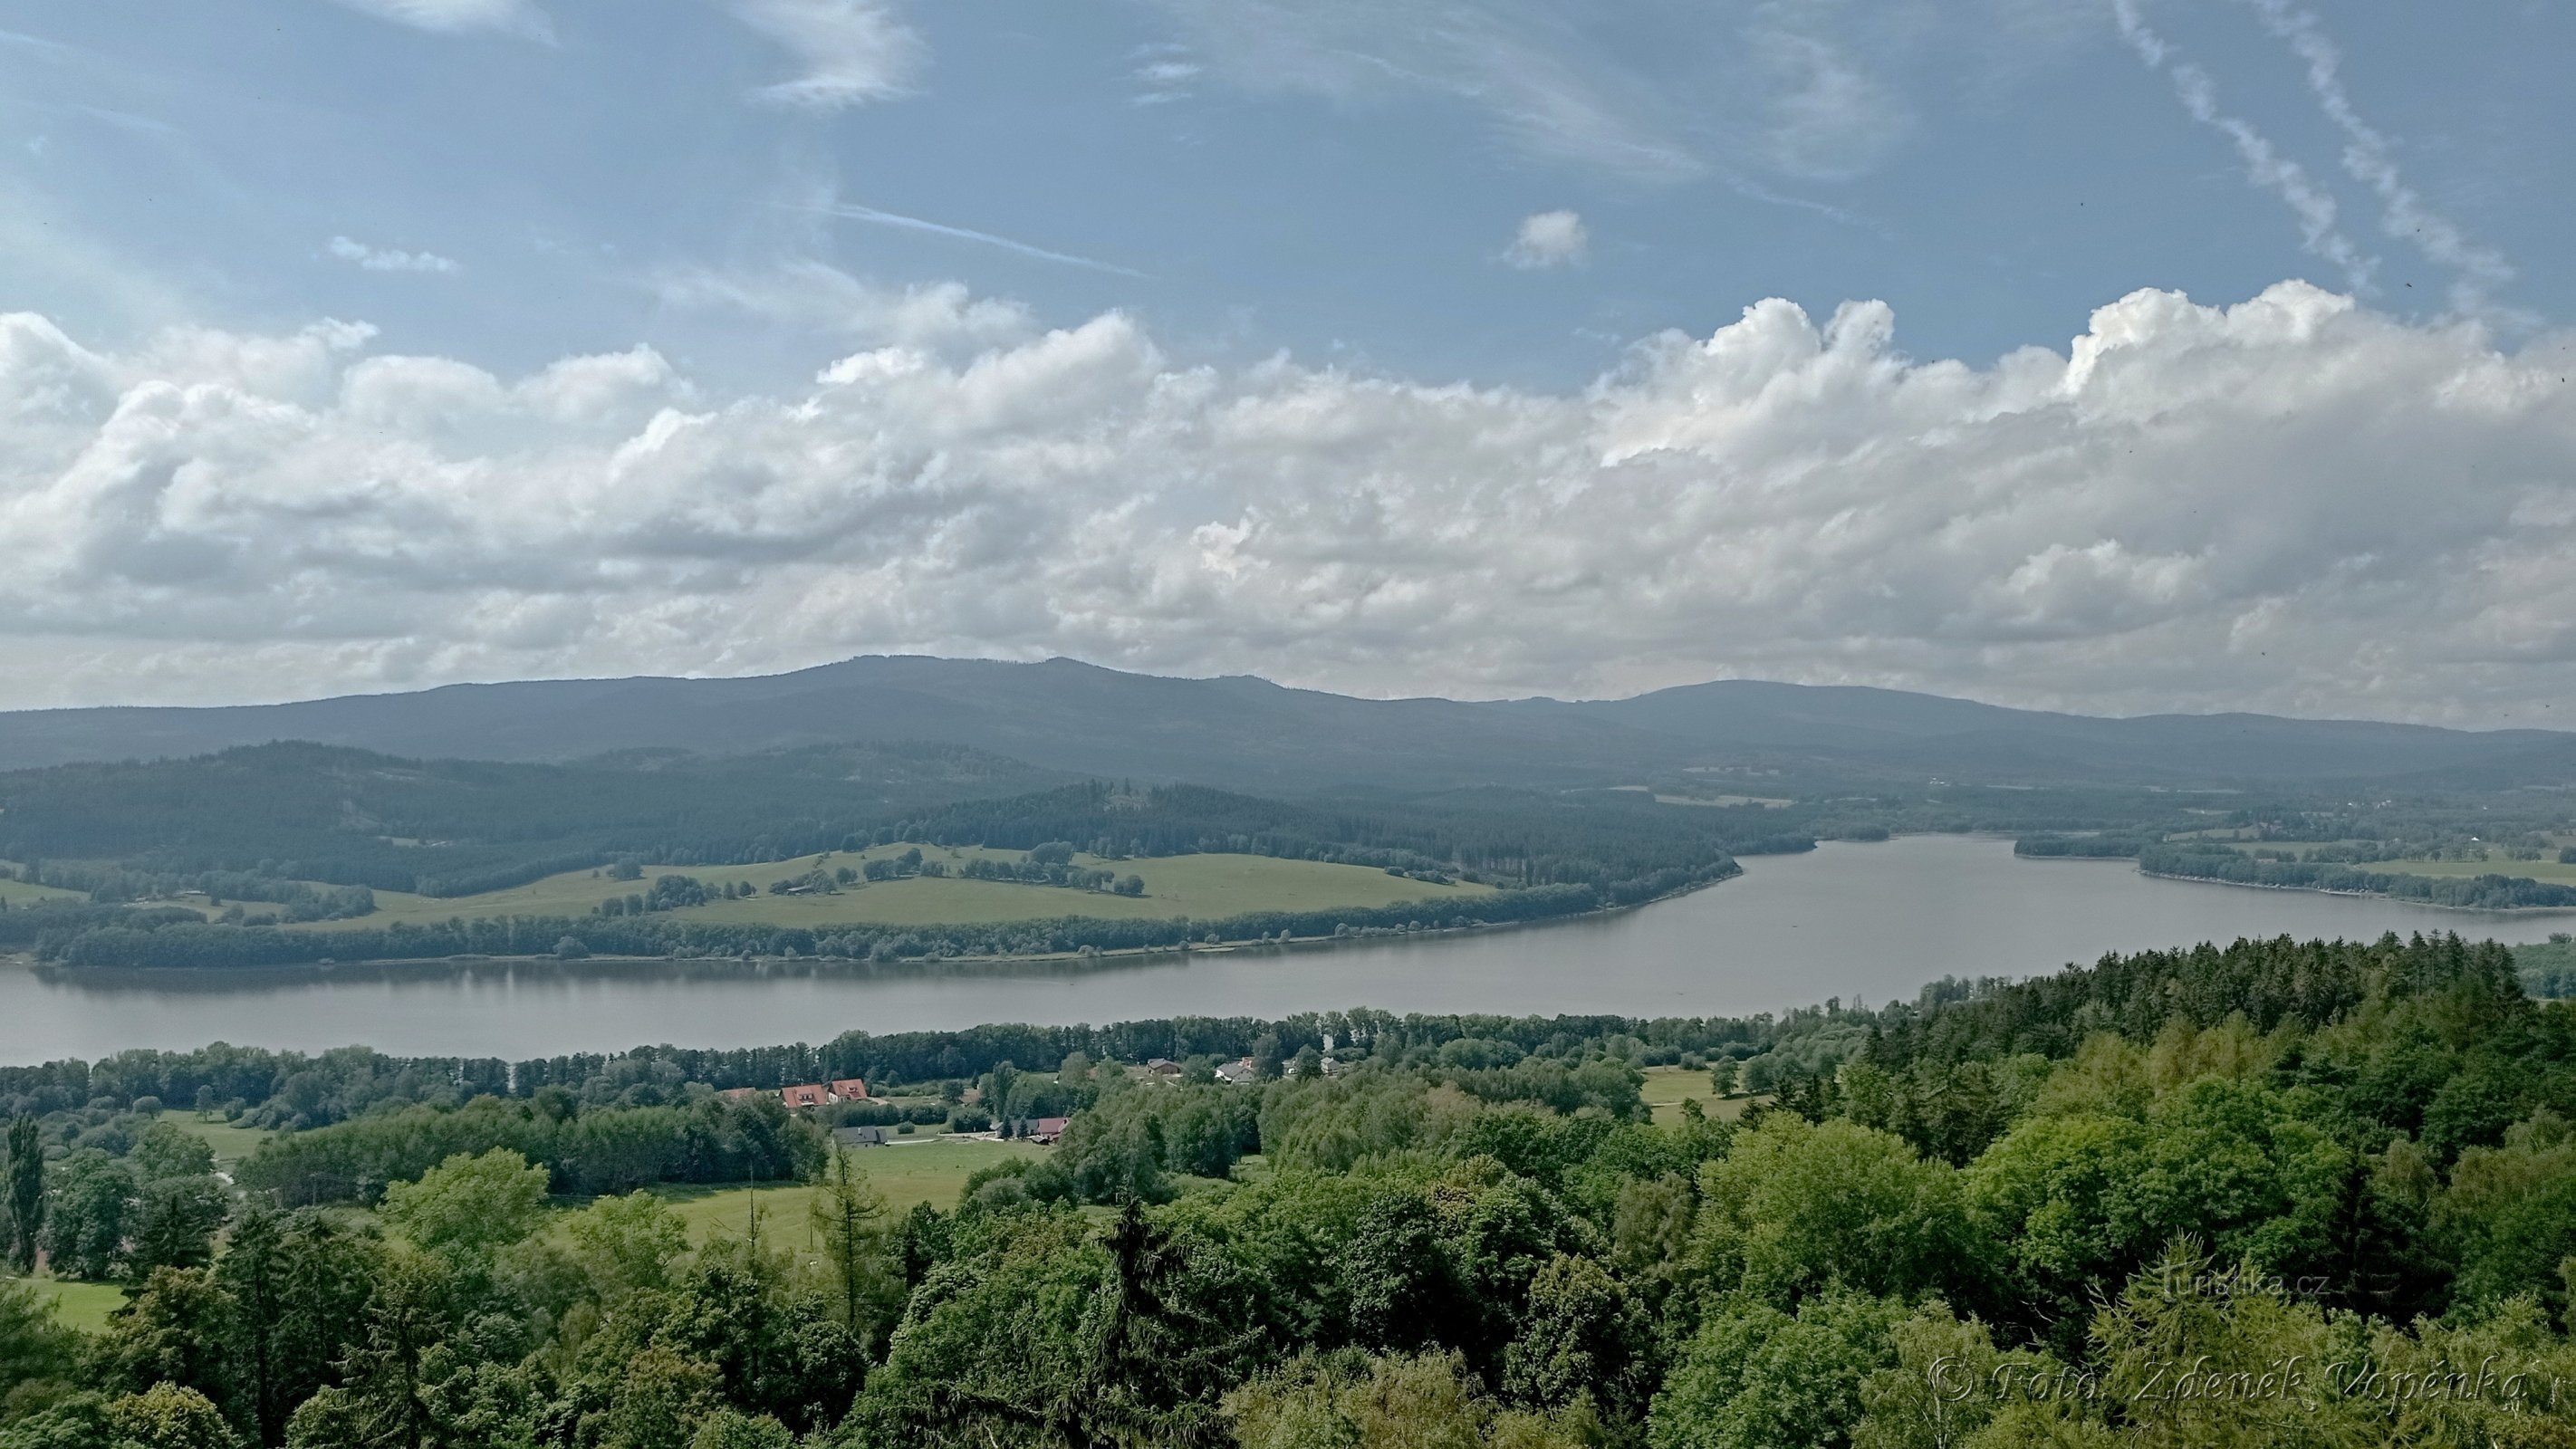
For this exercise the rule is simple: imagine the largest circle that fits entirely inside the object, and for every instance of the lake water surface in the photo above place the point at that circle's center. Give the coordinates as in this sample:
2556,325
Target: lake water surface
1855,921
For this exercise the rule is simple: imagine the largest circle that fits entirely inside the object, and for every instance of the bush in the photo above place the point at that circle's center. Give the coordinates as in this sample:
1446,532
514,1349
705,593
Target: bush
570,948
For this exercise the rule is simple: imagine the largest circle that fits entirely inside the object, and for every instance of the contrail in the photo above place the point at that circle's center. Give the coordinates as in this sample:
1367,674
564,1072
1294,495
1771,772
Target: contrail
2403,214
851,211
2265,166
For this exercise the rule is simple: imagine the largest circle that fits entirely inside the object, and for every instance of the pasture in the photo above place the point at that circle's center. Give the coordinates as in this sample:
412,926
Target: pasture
1667,1087
930,1171
18,893
1205,887
231,1143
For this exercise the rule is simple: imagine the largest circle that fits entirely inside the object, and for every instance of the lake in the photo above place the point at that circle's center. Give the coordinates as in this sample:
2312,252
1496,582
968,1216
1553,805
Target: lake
1865,922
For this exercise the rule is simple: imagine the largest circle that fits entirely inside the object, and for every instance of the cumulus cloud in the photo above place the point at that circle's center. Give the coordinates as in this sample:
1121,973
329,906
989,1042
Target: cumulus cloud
849,52
1549,239
387,259
2293,503
519,17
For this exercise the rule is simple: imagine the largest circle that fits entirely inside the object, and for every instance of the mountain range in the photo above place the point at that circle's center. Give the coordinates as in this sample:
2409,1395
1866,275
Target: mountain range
1247,733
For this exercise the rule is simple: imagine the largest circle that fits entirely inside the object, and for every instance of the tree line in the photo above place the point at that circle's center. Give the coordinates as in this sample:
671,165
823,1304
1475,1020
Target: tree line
2318,1193
166,940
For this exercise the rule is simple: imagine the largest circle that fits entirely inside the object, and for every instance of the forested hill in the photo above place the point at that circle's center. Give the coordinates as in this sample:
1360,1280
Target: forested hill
451,827
300,812
1248,734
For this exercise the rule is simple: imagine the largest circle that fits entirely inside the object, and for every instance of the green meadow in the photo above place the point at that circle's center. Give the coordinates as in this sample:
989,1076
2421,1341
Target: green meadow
930,1171
84,1306
231,1143
1203,887
19,893
1666,1088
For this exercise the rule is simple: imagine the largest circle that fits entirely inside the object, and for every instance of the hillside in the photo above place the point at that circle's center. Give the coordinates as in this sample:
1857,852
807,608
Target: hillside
1246,733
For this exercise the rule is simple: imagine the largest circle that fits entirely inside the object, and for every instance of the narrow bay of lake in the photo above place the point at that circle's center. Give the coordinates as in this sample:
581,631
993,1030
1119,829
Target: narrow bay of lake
1855,921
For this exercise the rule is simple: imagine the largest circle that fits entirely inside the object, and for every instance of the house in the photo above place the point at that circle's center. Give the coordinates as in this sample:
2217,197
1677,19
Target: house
846,1089
798,1098
1162,1067
1238,1073
860,1136
1040,1130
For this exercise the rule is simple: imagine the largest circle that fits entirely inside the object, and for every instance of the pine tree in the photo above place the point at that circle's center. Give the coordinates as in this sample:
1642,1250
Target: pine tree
26,1192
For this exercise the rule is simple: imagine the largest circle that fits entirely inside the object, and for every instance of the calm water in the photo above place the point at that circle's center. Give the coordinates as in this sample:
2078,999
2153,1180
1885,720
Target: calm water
1856,921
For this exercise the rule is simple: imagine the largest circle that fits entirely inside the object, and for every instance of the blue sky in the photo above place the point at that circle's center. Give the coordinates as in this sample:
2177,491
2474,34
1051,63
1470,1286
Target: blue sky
1339,180
1387,346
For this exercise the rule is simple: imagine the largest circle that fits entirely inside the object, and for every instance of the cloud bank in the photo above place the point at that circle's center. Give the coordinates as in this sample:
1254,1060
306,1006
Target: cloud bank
2291,503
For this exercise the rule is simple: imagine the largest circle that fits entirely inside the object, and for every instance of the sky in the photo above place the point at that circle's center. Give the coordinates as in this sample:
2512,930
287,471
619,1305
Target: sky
2108,355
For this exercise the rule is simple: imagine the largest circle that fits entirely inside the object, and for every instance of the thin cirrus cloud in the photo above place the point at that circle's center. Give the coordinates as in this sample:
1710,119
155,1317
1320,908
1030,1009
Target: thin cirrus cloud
847,52
1549,239
1681,94
1788,496
2320,228
453,17
389,259
852,211
2477,271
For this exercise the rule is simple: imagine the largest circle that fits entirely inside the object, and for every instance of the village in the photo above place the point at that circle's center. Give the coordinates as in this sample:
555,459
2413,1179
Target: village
812,1099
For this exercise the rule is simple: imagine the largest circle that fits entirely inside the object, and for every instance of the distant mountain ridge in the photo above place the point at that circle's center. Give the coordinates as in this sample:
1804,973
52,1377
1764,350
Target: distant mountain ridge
1243,732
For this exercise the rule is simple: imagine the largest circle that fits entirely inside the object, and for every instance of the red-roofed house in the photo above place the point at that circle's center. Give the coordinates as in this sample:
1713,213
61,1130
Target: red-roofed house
848,1089
805,1096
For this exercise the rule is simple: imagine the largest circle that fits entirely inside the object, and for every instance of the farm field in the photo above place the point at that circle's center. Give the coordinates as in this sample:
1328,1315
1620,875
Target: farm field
1200,886
231,1143
931,1172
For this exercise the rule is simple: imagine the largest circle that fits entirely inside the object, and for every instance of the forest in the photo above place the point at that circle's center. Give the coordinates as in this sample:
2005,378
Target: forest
2280,1192
305,834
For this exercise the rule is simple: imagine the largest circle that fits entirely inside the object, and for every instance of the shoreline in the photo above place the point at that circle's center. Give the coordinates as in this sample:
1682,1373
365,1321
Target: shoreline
1060,962
2255,885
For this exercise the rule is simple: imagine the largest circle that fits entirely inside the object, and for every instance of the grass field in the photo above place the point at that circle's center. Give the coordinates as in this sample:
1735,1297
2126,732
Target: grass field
19,893
231,1143
1666,1087
84,1306
933,1172
1206,887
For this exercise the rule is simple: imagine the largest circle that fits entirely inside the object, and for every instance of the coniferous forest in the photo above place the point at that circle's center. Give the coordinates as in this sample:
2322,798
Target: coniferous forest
2281,1192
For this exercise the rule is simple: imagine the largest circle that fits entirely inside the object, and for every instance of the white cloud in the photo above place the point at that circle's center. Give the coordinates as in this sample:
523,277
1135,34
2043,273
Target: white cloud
386,259
2478,271
2293,503
818,297
1549,239
450,17
849,52
1660,95
2265,166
